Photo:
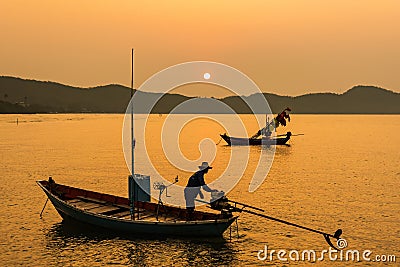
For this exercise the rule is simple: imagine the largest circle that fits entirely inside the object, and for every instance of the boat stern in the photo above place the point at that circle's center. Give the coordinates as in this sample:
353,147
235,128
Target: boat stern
226,138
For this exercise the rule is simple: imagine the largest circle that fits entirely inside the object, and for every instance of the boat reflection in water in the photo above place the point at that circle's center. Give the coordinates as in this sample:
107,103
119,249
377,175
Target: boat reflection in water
71,241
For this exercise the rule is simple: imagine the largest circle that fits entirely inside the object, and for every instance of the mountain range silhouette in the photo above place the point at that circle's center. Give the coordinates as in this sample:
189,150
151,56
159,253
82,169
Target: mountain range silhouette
30,96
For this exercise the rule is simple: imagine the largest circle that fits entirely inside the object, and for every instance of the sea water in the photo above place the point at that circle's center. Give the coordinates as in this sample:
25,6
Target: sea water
342,173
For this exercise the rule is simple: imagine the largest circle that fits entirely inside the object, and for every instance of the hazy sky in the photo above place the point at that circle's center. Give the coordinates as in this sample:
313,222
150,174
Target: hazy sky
289,47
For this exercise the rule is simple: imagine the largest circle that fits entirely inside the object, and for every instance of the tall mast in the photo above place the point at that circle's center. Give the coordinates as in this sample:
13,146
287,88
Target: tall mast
131,179
132,133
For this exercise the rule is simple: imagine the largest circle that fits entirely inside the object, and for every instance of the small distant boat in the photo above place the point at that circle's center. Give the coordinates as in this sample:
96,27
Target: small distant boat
263,136
113,213
237,141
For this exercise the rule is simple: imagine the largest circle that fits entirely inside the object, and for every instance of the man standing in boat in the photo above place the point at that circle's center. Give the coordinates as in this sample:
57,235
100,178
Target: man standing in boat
195,182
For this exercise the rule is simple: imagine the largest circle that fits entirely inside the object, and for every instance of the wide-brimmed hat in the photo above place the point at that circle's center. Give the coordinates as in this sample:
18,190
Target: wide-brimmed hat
204,165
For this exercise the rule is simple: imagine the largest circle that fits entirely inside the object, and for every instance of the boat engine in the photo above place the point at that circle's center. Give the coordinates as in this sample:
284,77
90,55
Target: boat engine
219,201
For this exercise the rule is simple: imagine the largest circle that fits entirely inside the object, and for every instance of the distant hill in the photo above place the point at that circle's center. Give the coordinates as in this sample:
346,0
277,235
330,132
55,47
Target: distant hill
30,96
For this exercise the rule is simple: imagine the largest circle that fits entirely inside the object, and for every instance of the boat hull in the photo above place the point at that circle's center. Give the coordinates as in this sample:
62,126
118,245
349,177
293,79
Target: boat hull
237,141
139,227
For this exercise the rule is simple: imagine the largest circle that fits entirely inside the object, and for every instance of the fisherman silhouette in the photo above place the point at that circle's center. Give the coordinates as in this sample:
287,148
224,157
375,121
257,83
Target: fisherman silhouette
281,118
195,182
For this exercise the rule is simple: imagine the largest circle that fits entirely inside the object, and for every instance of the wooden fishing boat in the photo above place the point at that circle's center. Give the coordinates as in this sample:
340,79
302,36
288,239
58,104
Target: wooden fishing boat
113,213
136,214
237,141
263,136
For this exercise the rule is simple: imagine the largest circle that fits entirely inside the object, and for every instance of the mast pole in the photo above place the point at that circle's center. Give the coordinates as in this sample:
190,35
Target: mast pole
131,180
132,132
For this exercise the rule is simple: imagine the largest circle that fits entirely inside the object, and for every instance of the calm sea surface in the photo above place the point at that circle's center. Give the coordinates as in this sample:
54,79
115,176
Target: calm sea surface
343,173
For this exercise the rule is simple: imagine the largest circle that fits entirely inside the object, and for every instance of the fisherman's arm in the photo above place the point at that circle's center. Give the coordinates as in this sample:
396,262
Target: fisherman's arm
204,186
208,189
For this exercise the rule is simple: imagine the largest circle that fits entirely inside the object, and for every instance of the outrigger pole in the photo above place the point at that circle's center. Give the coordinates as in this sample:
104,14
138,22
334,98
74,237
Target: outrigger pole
327,236
224,204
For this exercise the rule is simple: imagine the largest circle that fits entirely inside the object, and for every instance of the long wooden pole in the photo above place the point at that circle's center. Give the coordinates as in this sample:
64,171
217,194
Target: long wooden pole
132,132
131,181
288,223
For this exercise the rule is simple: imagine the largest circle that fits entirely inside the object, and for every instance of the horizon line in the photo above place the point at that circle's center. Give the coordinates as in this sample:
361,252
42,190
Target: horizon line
230,95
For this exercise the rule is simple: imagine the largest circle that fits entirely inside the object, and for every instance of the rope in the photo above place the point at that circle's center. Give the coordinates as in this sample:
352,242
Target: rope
219,141
237,228
41,213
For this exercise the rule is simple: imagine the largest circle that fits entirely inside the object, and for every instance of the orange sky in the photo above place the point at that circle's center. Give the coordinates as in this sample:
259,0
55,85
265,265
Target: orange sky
289,47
